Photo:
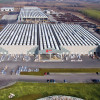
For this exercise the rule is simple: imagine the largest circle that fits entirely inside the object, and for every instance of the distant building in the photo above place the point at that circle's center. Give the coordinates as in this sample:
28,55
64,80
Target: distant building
7,9
31,14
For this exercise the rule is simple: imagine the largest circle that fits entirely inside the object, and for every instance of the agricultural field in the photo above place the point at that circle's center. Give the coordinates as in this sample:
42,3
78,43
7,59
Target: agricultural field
33,91
6,1
93,14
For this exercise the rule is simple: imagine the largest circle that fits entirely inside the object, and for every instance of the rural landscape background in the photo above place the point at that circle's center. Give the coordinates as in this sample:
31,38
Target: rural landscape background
89,8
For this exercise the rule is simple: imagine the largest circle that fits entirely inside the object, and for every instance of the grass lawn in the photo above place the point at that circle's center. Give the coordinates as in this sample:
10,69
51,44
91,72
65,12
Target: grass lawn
95,14
33,91
59,70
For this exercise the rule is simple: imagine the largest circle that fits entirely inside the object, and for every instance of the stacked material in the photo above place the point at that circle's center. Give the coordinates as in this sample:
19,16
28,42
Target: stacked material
9,17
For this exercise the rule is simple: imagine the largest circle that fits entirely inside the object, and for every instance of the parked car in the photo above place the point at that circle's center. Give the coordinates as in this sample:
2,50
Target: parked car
51,80
47,80
65,81
46,73
95,80
97,73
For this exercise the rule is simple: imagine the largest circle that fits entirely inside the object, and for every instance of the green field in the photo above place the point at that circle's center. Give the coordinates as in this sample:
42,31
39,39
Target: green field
33,91
94,14
59,70
6,1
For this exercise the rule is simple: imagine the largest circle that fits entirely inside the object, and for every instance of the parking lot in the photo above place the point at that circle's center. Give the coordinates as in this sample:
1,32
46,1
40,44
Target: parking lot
9,65
73,58
21,57
10,69
44,58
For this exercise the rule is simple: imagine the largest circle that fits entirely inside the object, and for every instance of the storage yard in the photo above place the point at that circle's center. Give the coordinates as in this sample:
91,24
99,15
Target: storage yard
71,18
68,17
9,17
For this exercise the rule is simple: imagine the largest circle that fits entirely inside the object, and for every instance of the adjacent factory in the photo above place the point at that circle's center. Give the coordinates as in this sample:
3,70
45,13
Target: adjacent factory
45,38
32,14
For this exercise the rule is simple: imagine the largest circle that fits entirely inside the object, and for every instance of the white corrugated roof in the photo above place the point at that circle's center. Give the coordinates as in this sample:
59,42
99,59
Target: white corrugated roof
47,35
31,12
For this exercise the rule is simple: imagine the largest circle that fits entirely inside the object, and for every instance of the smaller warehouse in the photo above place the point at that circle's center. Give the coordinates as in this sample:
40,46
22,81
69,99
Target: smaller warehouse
32,14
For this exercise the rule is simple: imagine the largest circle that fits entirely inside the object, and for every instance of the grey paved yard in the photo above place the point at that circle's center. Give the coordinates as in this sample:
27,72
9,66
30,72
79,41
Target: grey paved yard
86,63
70,77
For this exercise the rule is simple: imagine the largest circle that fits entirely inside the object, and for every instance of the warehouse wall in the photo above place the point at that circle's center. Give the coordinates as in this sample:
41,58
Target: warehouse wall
49,51
14,49
22,49
80,49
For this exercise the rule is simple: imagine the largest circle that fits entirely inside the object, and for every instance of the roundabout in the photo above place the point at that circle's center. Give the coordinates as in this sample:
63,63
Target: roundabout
60,97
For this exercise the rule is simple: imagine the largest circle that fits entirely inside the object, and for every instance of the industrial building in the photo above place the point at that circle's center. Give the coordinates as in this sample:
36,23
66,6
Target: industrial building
31,14
7,9
47,39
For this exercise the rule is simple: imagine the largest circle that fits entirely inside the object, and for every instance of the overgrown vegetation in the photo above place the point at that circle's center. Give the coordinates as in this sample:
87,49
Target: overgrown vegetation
33,91
59,70
93,14
6,1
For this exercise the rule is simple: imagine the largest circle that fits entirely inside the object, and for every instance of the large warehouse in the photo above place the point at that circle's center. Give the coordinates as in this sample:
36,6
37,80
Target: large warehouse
33,14
47,39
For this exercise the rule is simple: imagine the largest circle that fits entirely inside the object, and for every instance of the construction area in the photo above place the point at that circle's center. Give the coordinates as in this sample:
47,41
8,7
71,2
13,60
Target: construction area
71,18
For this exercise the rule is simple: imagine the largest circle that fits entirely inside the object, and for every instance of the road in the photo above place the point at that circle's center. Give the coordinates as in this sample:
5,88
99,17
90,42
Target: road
82,77
86,63
59,78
